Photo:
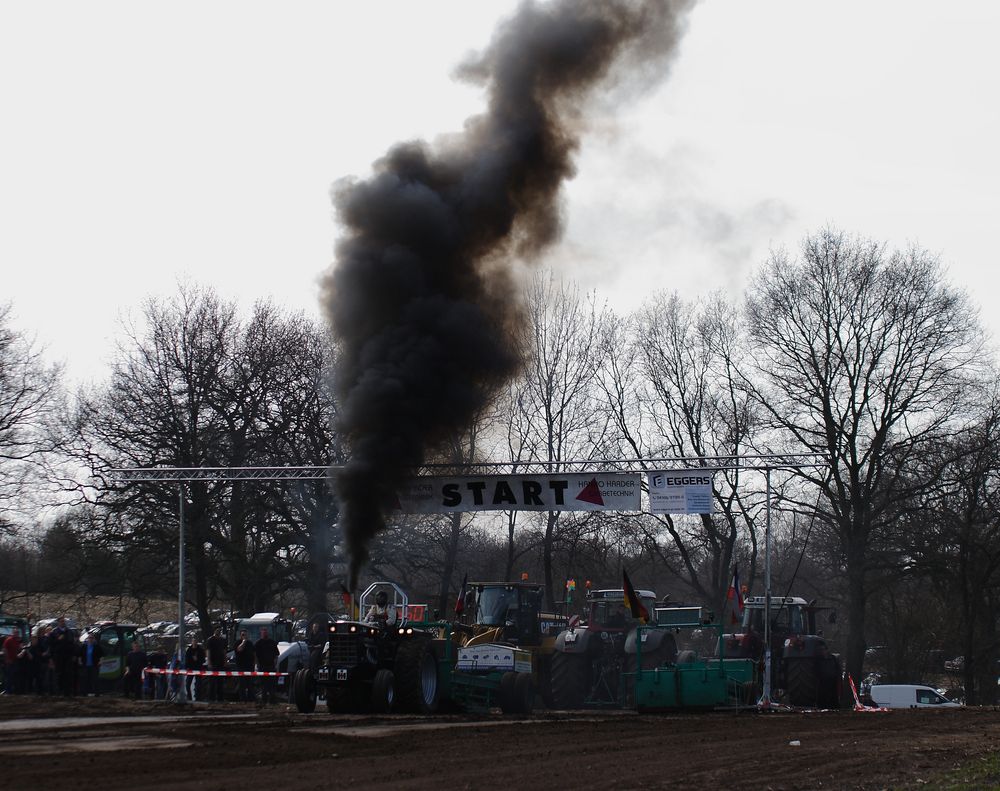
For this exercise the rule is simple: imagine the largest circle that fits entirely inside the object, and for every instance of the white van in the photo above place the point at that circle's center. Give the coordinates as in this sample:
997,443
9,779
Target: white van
910,696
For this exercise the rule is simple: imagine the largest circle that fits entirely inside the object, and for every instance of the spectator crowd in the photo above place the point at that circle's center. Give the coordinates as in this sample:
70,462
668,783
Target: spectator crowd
54,661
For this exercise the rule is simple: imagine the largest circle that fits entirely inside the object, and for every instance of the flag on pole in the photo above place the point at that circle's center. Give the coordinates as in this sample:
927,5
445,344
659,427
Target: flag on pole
460,601
632,600
734,598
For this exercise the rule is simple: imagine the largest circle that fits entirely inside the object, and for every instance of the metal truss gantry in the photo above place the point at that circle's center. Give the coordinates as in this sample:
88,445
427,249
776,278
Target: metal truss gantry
761,462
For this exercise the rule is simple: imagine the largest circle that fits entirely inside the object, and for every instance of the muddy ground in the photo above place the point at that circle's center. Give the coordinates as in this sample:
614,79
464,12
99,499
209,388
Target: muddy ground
113,743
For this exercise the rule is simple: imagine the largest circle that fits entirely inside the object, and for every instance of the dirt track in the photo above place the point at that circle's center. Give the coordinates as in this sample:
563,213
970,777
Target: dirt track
123,744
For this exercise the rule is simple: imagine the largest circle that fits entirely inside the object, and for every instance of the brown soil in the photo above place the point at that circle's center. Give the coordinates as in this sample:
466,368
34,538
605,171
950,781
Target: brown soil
123,744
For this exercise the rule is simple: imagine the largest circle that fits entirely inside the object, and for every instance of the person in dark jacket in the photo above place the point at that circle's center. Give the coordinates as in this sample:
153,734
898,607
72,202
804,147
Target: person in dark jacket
63,650
90,665
135,664
33,667
266,651
216,645
156,683
316,641
245,658
194,659
13,663
46,670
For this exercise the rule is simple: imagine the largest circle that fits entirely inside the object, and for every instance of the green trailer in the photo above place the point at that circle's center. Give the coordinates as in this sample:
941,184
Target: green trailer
690,682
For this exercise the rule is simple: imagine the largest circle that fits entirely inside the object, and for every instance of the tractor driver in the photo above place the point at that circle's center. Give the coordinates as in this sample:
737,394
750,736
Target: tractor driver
380,612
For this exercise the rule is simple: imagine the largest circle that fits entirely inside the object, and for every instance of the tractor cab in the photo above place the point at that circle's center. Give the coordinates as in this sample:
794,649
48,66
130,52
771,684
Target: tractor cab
511,608
790,616
279,628
609,612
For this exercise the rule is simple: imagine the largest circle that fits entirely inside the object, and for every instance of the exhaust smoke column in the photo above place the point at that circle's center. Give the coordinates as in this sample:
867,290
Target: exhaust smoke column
422,298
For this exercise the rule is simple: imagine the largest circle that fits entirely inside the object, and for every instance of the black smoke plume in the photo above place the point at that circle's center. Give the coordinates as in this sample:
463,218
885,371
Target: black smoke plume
422,298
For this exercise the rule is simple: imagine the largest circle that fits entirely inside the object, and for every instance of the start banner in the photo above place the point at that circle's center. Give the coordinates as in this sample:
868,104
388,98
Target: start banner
585,491
681,492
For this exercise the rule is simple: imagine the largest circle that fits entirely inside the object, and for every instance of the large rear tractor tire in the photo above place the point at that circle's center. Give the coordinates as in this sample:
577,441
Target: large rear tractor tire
524,693
304,691
417,677
830,683
570,680
517,693
383,692
506,696
802,679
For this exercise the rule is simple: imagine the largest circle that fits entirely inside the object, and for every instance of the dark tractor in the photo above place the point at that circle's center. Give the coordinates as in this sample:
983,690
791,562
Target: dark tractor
802,663
381,663
590,661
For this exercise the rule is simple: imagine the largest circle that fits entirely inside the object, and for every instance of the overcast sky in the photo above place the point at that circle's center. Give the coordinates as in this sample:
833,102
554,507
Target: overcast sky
145,143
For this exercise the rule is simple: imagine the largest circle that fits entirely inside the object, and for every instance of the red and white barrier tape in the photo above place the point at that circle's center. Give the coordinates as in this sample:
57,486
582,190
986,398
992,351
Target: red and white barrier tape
213,673
858,705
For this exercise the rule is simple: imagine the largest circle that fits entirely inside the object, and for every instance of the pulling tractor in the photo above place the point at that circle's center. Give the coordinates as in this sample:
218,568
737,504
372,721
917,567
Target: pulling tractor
418,665
374,666
802,663
589,662
504,656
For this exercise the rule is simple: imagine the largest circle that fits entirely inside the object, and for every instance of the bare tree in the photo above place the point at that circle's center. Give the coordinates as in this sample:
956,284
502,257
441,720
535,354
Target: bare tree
30,400
558,418
672,389
195,385
862,355
950,539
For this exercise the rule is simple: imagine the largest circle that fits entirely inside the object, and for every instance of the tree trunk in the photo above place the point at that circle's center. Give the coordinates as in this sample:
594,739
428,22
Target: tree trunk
319,569
451,553
552,517
857,600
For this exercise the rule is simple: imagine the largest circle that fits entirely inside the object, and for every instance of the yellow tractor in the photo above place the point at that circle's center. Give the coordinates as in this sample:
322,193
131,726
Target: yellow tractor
509,614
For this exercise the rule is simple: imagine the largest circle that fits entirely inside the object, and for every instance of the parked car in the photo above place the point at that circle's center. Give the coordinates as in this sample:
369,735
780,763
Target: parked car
909,696
40,625
116,641
956,665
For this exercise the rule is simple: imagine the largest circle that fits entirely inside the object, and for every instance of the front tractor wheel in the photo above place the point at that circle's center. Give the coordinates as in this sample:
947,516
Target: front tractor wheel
304,691
383,692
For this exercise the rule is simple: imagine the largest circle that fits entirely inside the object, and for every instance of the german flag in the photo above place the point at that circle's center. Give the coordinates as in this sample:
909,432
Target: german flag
460,601
632,600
